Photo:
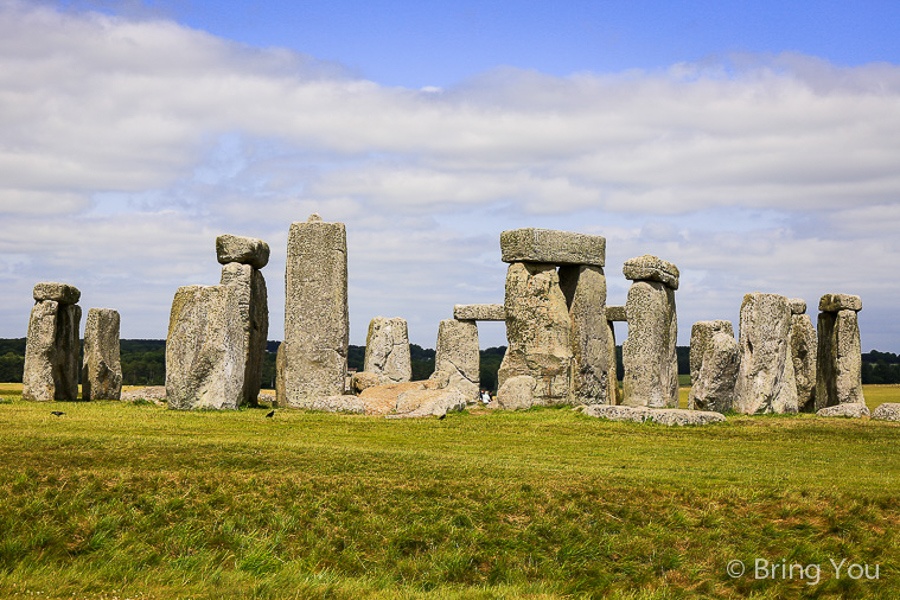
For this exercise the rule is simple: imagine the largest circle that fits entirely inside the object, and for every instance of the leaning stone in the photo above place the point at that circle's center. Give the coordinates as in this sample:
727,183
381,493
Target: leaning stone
57,292
456,353
803,353
853,410
838,302
312,360
798,306
424,403
244,250
651,268
387,350
766,381
615,313
516,393
648,354
662,416
889,411
363,380
539,332
552,247
713,389
839,359
584,288
479,312
254,308
101,376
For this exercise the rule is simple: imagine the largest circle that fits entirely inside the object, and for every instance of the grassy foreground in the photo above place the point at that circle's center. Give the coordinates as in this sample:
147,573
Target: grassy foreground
118,500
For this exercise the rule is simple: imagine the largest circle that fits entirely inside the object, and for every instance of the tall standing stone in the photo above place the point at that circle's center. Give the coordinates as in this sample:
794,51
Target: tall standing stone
101,374
648,355
312,360
52,347
714,359
766,382
803,353
253,303
839,360
387,350
456,353
584,288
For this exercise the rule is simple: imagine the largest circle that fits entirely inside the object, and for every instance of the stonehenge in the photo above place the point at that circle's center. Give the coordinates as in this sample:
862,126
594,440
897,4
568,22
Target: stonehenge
101,375
456,353
804,348
52,347
839,359
217,334
714,362
387,350
648,355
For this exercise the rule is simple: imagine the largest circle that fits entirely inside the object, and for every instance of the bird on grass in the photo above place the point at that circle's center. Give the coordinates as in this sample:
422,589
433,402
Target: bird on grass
270,414
442,417
57,413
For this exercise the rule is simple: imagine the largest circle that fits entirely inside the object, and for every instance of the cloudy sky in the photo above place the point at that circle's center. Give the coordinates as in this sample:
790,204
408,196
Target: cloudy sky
755,145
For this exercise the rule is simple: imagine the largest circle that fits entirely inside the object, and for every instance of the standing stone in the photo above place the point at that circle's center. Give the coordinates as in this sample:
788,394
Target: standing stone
539,332
312,360
614,394
648,355
253,302
52,347
101,374
387,350
713,388
584,288
457,355
839,360
766,382
803,354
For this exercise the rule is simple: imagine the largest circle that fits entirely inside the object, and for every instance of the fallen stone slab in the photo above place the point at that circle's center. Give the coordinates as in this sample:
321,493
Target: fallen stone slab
153,393
552,247
651,268
58,292
479,312
662,416
244,250
382,399
838,302
853,410
889,411
428,403
345,403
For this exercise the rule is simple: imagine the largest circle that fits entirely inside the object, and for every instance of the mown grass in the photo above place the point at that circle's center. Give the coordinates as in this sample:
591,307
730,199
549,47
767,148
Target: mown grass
135,501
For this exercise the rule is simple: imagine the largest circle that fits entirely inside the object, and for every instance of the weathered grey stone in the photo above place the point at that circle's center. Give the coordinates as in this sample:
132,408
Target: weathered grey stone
584,288
803,354
701,335
479,312
344,403
766,382
552,247
539,332
426,403
439,380
51,352
889,411
387,350
651,268
254,314
854,410
648,355
101,374
363,380
244,250
838,302
517,393
206,348
614,394
798,306
312,360
616,313
839,359
151,393
456,353
57,292
713,389
662,416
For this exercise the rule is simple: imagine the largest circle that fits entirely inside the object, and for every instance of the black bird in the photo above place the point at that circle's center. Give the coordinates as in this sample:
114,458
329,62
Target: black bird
270,414
57,413
442,417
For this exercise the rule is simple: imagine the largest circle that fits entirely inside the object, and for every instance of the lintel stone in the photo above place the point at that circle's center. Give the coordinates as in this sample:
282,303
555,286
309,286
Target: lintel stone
58,292
839,302
553,247
479,312
244,250
651,268
798,306
615,313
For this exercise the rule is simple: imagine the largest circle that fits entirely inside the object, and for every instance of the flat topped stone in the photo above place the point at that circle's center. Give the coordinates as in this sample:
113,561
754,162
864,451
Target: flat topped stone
798,306
244,250
615,313
662,416
853,410
58,292
651,268
479,312
552,247
889,411
838,302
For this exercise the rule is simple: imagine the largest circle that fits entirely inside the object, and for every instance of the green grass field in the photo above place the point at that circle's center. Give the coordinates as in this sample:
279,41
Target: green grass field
119,500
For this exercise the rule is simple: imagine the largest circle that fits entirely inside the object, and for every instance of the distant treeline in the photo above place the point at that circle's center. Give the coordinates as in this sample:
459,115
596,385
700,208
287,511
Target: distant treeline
144,363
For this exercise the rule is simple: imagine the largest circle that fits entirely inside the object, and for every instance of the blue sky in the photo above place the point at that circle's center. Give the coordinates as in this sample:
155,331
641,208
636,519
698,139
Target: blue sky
753,144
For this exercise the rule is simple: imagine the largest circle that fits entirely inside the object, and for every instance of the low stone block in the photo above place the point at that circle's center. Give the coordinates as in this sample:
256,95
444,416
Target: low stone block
889,411
838,302
651,268
798,306
479,312
854,410
552,247
662,416
363,380
424,403
244,250
57,292
516,393
616,313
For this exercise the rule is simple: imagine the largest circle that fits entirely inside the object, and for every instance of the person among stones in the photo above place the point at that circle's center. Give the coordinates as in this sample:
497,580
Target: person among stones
485,396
